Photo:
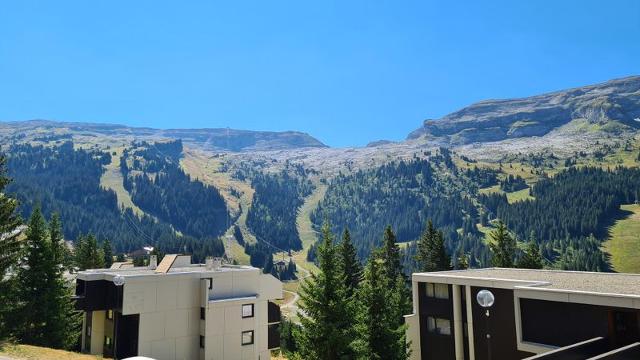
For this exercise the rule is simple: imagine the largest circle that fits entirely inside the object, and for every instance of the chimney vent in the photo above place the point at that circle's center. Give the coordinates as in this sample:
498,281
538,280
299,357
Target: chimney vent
209,263
153,262
217,263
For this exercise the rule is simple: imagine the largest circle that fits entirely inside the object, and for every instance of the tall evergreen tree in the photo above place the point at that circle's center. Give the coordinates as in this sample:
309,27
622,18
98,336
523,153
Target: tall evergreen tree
56,237
463,261
432,253
325,326
398,294
379,334
107,251
44,314
349,264
531,257
390,254
87,253
502,246
372,321
9,247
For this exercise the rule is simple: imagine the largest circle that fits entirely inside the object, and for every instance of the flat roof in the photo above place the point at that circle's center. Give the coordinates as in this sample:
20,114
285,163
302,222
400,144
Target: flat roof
571,281
95,274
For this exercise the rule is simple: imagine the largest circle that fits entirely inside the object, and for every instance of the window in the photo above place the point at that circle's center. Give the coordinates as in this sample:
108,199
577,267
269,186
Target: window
110,314
201,342
202,316
438,291
107,341
247,310
247,337
438,326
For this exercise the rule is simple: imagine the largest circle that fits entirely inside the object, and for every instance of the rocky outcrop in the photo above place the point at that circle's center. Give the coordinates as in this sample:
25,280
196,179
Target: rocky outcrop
616,101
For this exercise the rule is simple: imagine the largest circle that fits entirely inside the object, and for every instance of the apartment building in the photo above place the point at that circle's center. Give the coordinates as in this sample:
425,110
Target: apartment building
178,310
504,314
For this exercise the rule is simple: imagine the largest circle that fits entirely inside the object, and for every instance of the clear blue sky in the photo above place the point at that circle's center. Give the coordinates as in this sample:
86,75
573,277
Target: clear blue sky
347,72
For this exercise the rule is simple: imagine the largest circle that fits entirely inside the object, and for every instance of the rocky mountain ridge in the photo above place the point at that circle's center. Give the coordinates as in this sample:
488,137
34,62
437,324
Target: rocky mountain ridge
215,139
612,107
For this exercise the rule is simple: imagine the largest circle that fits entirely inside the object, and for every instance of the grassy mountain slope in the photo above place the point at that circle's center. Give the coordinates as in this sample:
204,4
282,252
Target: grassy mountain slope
624,240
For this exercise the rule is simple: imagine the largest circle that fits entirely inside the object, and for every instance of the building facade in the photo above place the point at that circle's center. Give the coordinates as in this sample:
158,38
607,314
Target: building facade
178,310
536,314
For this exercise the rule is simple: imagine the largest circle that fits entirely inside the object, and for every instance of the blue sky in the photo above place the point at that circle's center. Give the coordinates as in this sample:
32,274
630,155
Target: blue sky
347,72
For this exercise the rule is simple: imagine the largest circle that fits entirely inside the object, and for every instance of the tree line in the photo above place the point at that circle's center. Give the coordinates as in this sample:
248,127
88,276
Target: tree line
351,311
405,194
274,208
66,180
570,213
158,185
35,297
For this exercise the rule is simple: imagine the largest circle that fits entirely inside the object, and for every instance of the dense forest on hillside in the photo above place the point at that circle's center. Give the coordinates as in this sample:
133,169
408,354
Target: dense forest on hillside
158,185
273,212
405,194
67,181
568,209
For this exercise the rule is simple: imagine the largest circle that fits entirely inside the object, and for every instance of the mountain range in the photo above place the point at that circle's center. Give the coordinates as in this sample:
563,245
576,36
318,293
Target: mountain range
270,191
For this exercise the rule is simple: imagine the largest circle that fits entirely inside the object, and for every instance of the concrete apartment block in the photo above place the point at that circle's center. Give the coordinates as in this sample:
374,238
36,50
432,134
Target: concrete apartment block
534,314
179,311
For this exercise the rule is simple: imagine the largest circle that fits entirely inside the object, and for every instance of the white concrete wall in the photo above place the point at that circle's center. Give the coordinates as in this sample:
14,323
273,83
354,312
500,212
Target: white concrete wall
224,326
169,308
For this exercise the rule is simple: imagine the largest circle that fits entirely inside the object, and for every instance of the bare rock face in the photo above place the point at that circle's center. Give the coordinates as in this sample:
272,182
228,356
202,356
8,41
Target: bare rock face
613,106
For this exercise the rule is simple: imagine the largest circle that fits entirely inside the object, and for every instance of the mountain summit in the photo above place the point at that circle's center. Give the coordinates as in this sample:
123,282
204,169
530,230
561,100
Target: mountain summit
613,106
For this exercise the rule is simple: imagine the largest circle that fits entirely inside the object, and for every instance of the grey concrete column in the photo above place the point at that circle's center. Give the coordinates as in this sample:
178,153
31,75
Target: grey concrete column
458,323
472,349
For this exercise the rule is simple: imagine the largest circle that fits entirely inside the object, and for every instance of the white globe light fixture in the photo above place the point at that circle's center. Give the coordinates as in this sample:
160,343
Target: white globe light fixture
118,280
485,298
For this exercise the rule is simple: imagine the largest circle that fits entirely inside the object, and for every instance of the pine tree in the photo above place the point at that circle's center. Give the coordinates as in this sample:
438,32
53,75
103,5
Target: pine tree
325,327
107,251
432,253
531,257
398,294
441,260
288,329
268,264
379,334
390,254
9,248
349,264
44,315
502,247
463,261
56,237
372,321
87,253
